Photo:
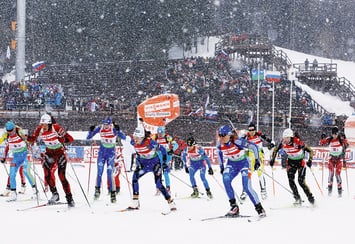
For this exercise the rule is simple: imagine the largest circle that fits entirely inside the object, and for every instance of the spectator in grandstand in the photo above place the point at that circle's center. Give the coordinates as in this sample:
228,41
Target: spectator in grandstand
306,64
315,64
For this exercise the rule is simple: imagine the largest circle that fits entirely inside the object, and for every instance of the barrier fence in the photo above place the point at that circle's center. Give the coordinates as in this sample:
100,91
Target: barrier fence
87,154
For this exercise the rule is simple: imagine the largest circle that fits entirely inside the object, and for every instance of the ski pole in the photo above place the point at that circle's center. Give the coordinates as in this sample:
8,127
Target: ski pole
129,184
184,182
77,179
278,183
347,180
273,181
320,189
220,185
41,181
89,176
323,159
7,172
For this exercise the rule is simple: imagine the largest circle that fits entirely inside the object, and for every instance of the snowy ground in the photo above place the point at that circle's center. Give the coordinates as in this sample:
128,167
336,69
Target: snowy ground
327,223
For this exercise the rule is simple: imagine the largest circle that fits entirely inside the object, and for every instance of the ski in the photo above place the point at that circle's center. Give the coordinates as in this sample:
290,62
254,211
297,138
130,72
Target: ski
291,206
127,210
168,212
192,198
42,205
226,217
255,218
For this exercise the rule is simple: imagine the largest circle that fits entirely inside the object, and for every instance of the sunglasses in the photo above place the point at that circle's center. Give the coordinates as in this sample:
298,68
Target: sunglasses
222,135
252,130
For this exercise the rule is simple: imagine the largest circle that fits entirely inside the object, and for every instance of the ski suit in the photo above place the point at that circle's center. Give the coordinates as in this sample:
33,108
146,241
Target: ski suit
54,156
151,157
16,143
107,154
237,161
197,156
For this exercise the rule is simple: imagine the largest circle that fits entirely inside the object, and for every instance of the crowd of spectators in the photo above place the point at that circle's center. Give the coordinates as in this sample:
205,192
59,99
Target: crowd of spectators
92,92
29,95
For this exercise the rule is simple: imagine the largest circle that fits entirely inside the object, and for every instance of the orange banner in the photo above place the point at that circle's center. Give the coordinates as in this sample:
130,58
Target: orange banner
159,110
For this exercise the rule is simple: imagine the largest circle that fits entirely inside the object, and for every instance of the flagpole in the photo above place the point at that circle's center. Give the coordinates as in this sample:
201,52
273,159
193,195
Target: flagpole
290,112
258,99
21,40
273,109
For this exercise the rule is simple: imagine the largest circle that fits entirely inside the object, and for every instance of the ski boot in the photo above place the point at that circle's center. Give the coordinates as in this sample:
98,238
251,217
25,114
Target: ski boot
260,210
340,192
195,193
243,197
330,188
172,204
54,199
209,193
12,197
97,193
22,189
234,211
113,196
297,202
70,200
35,192
263,194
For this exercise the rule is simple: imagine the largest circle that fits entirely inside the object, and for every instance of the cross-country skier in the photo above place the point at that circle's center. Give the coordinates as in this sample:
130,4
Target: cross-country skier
54,137
337,147
150,157
107,154
197,158
170,146
16,143
295,149
231,148
258,138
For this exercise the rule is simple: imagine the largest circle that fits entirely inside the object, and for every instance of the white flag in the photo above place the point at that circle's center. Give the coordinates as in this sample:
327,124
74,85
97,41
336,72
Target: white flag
8,53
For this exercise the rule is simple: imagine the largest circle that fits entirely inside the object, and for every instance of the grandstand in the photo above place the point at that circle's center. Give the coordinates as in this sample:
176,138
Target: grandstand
90,92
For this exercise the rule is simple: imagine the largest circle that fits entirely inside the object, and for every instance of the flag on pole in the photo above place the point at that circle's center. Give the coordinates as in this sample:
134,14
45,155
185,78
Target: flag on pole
273,76
211,114
257,74
8,53
207,101
38,66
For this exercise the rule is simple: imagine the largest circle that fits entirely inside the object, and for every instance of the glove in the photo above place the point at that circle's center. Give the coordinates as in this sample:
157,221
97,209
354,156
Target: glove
344,163
210,171
257,164
138,166
166,168
272,162
92,128
222,169
309,163
187,170
323,136
170,152
116,126
3,160
271,145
